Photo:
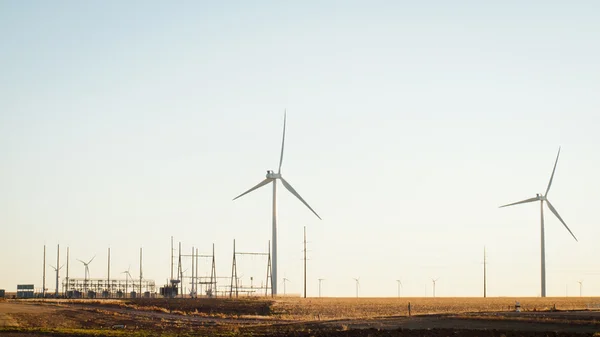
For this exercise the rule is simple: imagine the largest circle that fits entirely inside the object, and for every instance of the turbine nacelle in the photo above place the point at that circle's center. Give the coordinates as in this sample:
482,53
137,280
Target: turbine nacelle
273,175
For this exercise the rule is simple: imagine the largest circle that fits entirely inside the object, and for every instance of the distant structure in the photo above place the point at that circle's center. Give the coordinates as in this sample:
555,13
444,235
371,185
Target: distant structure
273,177
44,274
25,290
542,199
115,288
236,286
320,280
434,281
87,269
399,286
357,280
484,274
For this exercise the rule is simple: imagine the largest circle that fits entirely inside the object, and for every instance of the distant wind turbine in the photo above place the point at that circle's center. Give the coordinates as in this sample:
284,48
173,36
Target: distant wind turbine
399,286
357,280
273,177
127,273
284,281
56,270
541,199
434,280
320,280
87,271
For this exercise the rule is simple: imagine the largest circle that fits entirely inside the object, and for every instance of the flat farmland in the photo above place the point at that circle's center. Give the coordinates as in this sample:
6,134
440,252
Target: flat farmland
289,316
330,308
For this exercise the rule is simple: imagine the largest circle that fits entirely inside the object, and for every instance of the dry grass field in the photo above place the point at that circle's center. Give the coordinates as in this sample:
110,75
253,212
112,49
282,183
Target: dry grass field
302,317
335,308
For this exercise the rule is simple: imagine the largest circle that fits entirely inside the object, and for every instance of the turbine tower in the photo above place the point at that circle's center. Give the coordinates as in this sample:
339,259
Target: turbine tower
273,177
542,199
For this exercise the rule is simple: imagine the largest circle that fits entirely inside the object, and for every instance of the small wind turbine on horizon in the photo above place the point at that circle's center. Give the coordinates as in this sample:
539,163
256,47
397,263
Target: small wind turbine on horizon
272,177
57,271
357,280
434,281
127,273
284,281
320,280
399,286
87,271
542,199
580,287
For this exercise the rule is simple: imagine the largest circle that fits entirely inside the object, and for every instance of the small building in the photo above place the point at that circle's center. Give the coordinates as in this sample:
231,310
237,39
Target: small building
2,293
25,290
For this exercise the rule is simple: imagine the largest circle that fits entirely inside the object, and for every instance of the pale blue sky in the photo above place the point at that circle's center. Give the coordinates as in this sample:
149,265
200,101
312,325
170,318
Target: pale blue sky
123,123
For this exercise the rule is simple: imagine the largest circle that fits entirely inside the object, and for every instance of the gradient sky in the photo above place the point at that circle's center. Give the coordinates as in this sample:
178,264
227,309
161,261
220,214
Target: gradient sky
123,123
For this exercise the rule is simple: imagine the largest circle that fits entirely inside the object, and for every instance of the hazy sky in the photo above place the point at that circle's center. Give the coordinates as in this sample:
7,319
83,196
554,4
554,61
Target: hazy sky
123,123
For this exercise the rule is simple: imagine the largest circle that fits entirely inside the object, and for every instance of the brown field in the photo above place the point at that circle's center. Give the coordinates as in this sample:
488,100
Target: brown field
302,317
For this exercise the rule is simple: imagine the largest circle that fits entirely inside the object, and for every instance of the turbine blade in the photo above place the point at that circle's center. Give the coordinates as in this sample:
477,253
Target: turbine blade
293,191
522,202
80,261
559,218
261,184
552,176
92,259
282,141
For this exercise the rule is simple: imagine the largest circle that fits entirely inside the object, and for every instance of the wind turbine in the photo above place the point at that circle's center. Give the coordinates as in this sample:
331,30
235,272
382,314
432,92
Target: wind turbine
127,273
434,280
56,270
320,280
541,199
87,271
284,281
357,280
399,286
273,177
580,287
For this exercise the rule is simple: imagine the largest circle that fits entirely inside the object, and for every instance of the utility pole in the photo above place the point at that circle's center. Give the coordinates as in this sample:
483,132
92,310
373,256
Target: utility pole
193,283
180,271
484,273
321,279
44,275
67,278
304,263
171,257
399,285
57,268
108,279
140,295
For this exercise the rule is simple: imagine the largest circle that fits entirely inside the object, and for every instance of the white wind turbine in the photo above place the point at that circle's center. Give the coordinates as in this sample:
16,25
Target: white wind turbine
273,177
57,271
87,271
541,199
357,280
399,286
127,277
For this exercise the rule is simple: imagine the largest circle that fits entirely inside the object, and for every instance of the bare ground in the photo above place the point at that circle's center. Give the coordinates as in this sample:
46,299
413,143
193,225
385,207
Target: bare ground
77,319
